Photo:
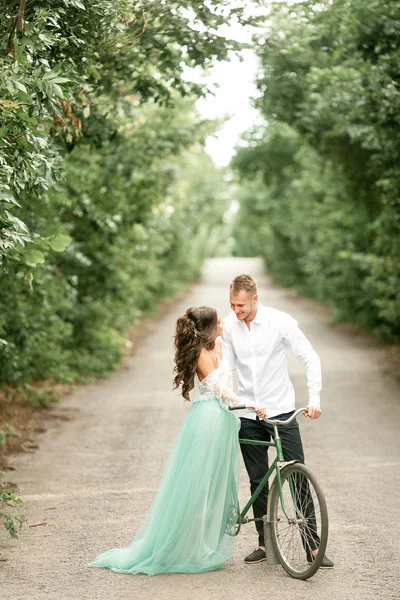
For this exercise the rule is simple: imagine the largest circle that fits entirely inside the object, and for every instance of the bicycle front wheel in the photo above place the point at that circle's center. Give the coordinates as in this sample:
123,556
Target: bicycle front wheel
299,521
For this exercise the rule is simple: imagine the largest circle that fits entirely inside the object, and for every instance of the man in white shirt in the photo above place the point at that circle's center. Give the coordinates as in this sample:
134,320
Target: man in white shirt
257,339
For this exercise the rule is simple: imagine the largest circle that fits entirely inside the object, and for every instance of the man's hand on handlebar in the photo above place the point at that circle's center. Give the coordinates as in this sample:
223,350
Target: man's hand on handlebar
260,411
313,412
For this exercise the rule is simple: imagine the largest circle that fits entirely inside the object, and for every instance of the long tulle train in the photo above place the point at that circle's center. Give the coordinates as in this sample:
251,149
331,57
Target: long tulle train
186,528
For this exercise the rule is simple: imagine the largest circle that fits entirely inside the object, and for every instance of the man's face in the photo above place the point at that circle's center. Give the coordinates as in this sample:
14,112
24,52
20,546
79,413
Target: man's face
244,305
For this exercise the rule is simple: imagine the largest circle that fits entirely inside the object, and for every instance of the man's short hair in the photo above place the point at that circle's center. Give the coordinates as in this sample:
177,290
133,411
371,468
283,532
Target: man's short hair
243,282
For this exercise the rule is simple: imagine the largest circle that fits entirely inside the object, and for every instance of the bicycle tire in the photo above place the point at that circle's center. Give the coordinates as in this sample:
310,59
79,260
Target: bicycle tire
287,529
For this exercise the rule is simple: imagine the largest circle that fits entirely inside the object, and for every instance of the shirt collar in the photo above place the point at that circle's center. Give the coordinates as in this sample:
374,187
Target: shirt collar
260,315
259,318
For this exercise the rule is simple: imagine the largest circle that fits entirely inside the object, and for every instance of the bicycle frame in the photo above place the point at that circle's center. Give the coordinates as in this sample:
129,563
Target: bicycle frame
275,466
300,515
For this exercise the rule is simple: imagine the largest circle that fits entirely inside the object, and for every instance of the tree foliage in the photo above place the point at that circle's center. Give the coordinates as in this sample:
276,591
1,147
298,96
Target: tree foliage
69,68
329,156
100,212
9,501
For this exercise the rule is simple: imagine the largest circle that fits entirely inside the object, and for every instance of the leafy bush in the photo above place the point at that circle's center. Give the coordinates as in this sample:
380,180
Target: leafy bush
107,200
10,500
330,93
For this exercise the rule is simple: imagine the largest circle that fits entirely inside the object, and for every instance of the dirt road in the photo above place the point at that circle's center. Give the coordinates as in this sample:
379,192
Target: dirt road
93,477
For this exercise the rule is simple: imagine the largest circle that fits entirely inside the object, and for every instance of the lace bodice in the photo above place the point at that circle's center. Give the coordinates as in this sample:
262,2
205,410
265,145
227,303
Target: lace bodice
218,384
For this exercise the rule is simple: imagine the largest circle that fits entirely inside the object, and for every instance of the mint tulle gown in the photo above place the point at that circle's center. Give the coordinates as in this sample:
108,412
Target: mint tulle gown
188,528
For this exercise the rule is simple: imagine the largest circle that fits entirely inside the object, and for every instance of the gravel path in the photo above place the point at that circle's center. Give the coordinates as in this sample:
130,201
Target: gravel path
93,477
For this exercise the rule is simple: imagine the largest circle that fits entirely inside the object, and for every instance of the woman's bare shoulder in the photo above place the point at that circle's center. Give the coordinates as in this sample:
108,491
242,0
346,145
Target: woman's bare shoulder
205,363
205,357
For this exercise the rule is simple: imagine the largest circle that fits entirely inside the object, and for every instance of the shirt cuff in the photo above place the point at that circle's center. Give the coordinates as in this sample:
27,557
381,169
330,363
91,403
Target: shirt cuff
314,400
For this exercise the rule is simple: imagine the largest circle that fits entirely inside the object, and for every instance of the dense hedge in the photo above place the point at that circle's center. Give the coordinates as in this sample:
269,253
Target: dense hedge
107,200
320,183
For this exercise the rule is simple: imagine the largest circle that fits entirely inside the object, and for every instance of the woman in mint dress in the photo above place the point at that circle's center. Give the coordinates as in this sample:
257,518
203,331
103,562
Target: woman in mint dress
188,528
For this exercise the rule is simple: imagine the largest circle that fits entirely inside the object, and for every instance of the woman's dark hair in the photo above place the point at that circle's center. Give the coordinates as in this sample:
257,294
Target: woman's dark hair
194,330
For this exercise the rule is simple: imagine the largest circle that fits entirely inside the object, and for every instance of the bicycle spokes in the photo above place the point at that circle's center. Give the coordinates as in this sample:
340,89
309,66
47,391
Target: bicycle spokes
298,517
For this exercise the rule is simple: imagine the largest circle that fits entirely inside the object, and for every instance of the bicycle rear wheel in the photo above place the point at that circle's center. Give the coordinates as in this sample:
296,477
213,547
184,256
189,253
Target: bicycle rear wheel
299,521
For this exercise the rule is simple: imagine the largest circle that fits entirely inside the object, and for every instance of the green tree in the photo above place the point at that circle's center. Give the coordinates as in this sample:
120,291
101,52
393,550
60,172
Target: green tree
96,118
329,157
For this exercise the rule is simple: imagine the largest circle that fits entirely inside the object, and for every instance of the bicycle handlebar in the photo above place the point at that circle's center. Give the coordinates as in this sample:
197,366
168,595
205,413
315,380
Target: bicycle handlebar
272,421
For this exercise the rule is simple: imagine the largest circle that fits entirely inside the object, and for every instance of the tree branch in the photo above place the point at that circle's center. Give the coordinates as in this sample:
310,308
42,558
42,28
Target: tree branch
20,16
18,25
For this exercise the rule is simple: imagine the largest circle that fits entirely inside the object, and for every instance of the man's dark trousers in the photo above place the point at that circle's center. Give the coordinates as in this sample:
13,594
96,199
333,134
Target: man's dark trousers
256,457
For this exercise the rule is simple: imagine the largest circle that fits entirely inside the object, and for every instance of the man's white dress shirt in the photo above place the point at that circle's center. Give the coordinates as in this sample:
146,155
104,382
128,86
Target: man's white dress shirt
260,355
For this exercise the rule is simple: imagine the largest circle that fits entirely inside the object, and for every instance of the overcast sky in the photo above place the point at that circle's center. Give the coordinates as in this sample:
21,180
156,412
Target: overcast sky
233,96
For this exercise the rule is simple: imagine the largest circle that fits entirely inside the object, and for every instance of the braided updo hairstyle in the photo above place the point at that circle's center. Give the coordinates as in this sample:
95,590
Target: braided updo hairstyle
194,330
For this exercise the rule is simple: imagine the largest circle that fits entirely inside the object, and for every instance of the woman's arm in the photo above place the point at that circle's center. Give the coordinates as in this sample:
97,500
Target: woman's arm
209,381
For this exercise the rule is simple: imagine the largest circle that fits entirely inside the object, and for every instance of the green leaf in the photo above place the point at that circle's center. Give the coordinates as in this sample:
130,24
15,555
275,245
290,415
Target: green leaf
60,242
56,90
20,86
8,197
34,257
20,224
60,80
78,4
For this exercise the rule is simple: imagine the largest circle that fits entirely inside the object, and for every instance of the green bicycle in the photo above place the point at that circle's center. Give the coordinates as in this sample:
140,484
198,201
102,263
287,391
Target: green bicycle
296,519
